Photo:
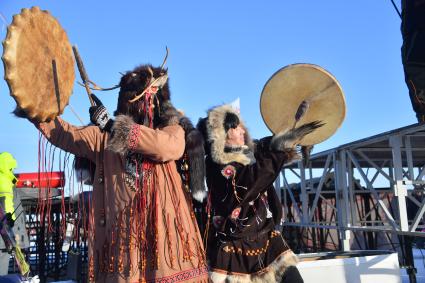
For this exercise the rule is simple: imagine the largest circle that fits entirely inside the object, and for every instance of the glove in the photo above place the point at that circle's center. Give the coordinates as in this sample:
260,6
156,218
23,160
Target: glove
100,116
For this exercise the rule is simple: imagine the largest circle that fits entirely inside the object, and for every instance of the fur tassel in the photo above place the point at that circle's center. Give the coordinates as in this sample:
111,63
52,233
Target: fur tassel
271,274
120,132
84,170
199,196
292,156
196,154
290,138
169,115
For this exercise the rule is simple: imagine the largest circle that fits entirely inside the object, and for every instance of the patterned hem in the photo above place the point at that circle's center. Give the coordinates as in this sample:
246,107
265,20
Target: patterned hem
252,252
282,257
181,276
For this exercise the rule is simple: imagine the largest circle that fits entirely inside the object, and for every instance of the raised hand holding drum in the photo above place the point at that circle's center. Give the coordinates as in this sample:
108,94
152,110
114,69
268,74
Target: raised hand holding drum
38,63
298,85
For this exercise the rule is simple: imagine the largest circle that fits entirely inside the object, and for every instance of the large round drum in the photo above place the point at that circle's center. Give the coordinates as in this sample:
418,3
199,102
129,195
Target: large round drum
38,63
289,87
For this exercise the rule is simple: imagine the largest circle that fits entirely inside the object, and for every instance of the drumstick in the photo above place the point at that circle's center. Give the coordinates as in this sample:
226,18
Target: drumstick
83,73
305,104
56,83
302,109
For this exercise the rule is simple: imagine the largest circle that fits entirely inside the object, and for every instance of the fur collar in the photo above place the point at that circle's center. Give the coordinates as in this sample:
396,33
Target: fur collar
217,138
193,139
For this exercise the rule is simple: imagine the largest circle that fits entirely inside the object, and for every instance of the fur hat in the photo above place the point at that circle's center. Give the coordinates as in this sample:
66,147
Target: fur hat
134,83
215,126
132,86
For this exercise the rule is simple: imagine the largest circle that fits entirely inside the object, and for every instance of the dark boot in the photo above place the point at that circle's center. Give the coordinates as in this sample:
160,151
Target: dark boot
292,275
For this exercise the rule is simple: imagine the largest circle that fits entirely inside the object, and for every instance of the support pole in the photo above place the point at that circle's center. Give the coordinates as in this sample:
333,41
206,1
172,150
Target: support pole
341,190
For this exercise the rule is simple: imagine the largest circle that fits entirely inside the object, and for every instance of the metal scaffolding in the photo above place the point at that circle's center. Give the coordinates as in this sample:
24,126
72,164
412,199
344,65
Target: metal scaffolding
388,169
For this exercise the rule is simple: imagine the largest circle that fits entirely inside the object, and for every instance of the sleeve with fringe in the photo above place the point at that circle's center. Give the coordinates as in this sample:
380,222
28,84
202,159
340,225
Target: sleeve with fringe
80,141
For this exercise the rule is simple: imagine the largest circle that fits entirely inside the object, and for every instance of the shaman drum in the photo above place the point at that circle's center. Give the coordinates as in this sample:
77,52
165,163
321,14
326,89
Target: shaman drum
38,63
310,84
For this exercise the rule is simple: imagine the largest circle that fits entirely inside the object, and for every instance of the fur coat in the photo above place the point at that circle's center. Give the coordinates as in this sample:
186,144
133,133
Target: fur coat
143,234
243,245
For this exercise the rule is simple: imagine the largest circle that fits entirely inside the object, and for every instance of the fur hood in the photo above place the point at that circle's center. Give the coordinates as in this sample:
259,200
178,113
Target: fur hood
216,137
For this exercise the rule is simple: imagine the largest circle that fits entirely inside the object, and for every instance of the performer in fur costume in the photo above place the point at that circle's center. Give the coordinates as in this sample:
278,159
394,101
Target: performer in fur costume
242,243
142,227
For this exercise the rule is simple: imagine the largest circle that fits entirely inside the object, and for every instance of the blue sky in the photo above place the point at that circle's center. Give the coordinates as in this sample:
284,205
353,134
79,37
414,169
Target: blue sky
221,50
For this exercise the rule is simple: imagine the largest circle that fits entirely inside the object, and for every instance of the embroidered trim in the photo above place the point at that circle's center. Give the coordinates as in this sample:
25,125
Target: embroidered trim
134,170
181,276
254,252
132,137
235,213
233,250
228,171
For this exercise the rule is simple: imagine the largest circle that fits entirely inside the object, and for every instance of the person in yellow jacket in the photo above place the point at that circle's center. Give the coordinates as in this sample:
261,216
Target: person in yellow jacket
10,200
7,181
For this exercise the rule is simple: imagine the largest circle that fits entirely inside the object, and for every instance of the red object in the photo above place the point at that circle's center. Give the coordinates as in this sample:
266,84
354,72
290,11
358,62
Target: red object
41,180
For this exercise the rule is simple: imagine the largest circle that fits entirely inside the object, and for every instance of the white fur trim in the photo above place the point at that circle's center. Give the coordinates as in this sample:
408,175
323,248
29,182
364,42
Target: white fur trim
199,195
271,274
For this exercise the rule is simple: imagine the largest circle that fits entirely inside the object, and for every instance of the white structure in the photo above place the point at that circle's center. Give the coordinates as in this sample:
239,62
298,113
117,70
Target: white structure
360,269
394,160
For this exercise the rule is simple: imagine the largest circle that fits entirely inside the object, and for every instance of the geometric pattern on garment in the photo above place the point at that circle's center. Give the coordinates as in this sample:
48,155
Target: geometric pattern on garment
134,170
182,276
